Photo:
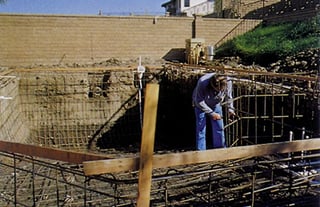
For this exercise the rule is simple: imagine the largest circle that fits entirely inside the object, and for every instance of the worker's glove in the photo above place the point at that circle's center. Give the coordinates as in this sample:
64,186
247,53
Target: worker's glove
216,116
232,116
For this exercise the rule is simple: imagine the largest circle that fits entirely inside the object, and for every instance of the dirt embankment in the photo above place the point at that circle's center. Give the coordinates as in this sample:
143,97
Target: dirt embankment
302,62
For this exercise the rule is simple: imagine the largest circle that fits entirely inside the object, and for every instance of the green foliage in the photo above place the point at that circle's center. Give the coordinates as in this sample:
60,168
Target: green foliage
266,43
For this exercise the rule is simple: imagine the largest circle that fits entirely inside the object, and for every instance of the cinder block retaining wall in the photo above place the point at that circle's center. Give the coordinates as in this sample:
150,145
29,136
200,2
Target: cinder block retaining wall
27,40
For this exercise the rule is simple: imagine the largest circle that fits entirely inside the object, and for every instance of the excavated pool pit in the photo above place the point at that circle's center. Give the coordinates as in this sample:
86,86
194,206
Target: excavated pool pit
85,109
99,110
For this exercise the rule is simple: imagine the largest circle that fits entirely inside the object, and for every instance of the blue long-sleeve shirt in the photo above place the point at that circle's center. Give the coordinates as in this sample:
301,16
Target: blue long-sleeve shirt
206,98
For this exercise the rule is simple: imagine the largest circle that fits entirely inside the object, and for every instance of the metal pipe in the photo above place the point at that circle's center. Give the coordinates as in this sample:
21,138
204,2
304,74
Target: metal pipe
140,70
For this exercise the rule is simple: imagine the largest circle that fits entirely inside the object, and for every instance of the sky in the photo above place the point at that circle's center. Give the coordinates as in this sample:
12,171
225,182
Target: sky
83,7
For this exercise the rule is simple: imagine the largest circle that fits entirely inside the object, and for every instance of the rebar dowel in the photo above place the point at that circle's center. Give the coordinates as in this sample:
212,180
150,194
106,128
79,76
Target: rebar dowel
265,109
33,185
210,187
57,184
15,179
86,179
290,179
303,133
115,189
290,139
255,113
272,115
253,187
248,121
166,192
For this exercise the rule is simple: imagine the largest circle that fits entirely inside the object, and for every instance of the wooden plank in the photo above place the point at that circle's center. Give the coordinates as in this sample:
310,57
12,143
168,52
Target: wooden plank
195,157
147,144
49,153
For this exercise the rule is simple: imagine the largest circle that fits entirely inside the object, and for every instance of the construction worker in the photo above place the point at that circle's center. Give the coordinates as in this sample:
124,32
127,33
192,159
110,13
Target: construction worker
210,91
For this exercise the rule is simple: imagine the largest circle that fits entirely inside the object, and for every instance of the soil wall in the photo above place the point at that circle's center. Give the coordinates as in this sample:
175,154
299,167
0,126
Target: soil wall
71,109
12,122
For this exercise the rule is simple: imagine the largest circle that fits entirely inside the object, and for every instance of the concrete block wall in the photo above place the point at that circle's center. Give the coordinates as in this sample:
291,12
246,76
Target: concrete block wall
247,6
279,10
210,29
28,40
37,39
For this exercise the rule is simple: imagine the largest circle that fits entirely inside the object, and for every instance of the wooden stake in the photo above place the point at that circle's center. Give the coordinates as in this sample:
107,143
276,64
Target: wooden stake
147,144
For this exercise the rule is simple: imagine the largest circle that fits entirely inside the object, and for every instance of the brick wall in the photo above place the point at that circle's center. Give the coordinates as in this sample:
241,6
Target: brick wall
28,40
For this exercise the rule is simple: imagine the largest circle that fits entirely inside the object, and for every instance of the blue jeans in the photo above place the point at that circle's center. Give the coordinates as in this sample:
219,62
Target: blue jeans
217,126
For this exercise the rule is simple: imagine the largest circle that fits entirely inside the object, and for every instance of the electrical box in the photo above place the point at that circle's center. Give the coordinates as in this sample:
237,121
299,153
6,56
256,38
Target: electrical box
195,50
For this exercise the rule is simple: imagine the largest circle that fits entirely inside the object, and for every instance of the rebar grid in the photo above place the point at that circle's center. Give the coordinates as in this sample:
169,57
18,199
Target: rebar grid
266,113
271,179
268,105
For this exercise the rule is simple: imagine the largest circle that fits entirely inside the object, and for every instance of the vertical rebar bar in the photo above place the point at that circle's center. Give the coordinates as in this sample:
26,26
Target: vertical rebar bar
293,105
85,191
241,124
166,193
248,120
317,121
264,113
255,114
303,133
33,184
265,106
15,179
253,187
290,140
272,113
57,184
291,136
210,187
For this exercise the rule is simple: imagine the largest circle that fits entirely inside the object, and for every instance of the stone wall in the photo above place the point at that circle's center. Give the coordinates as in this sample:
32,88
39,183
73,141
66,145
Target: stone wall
33,40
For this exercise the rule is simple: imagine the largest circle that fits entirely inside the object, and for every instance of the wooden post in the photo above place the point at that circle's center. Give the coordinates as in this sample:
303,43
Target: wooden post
147,144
